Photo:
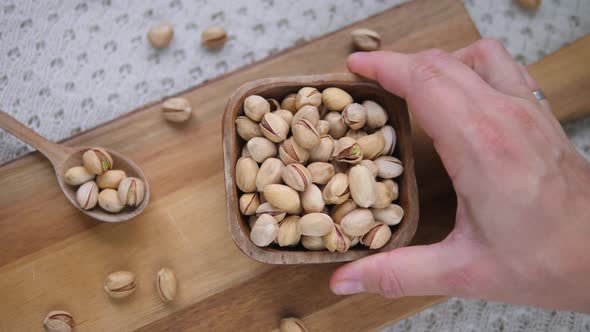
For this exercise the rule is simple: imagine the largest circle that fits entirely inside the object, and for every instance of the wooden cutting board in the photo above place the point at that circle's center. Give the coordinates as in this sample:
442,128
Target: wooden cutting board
53,257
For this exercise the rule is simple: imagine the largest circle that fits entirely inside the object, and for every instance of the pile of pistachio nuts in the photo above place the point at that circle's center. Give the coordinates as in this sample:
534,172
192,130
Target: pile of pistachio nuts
99,184
317,169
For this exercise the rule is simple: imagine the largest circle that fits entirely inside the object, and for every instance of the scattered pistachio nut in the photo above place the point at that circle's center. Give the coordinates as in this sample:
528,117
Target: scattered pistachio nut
264,231
160,35
291,152
347,150
120,284
357,222
312,199
376,115
336,99
289,235
87,195
315,224
377,236
166,284
274,127
354,241
308,112
296,176
283,197
391,215
267,208
305,134
322,151
58,321
292,324
366,40
97,161
389,167
78,175
321,172
108,200
289,103
341,210
371,145
255,107
336,240
337,126
285,115
308,96
176,109
131,191
110,179
323,127
390,139
383,195
247,128
269,173
246,174
312,242
261,148
249,202
370,164
362,186
356,134
214,37
336,190
354,116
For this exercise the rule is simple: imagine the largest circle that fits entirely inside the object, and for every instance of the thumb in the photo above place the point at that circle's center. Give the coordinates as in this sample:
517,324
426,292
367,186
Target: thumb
409,271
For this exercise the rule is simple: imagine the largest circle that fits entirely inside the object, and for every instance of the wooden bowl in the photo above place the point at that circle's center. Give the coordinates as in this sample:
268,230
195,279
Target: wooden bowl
360,89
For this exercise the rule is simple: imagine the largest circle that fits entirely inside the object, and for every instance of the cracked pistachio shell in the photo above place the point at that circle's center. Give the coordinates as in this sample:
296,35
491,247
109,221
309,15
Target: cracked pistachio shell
377,237
296,176
264,231
370,165
97,161
291,152
283,197
267,208
365,40
305,134
336,240
308,112
383,196
108,200
274,104
354,116
321,172
261,148
376,115
362,186
166,284
255,107
288,233
336,99
87,195
357,222
292,324
323,127
274,127
289,103
354,241
391,215
347,150
336,191
323,151
247,129
285,115
120,284
246,174
312,199
77,175
389,167
308,96
371,145
214,37
337,126
390,139
356,134
58,321
269,173
341,210
249,203
312,243
131,191
315,224
110,179
176,109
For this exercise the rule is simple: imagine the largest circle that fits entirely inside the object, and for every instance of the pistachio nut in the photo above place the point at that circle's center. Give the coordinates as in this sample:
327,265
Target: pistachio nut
247,129
78,175
283,197
110,179
354,241
389,167
255,107
120,284
288,233
97,161
370,165
312,199
323,127
315,224
377,237
261,148
391,215
357,222
322,151
341,210
308,112
274,104
321,172
58,321
366,40
292,325
108,200
214,37
166,284
249,202
265,231
308,96
394,190
176,109
383,195
354,116
269,173
347,150
87,195
285,115
245,152
336,191
252,221
376,115
131,191
267,208
291,152
312,242
246,172
390,139
296,176
337,126
390,183
336,240
289,103
305,134
371,145
362,186
356,134
274,127
336,99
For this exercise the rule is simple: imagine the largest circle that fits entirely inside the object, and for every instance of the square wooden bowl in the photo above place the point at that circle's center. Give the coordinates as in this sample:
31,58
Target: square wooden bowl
360,89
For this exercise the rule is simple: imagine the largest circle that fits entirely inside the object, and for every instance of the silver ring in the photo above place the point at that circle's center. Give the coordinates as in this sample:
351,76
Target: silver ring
539,95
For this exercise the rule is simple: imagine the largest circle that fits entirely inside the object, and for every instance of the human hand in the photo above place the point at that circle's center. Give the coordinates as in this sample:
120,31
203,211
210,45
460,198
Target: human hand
523,221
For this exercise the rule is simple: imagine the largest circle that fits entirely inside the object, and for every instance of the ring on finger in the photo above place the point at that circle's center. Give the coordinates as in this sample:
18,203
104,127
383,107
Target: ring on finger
539,95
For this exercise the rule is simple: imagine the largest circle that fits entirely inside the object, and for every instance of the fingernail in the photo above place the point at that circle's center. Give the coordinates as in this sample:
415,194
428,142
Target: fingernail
346,287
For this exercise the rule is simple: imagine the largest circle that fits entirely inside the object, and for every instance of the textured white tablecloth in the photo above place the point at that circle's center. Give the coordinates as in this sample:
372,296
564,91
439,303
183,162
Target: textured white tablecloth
67,66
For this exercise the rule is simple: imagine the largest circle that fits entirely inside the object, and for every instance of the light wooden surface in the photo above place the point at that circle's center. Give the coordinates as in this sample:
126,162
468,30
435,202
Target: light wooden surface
53,257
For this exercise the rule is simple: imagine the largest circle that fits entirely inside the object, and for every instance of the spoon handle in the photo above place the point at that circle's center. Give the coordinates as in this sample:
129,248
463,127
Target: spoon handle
54,152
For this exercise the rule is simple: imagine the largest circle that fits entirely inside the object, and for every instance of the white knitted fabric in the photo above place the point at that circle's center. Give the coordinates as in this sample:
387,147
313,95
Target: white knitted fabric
67,66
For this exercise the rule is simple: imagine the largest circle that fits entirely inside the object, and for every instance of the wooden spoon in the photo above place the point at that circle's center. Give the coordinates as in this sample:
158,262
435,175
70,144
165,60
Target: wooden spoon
64,157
